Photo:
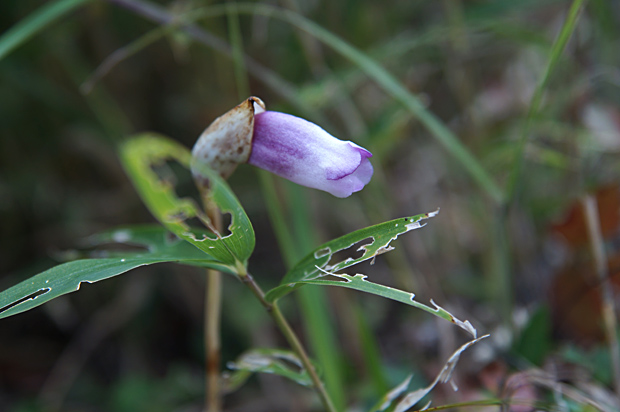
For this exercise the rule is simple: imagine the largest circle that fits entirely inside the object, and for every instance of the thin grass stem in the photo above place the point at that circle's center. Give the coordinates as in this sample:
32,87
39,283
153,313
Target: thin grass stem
557,48
265,75
314,303
502,255
124,53
234,33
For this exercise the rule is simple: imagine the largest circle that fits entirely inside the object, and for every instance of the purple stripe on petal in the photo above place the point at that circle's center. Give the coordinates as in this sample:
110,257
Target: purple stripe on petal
337,172
306,154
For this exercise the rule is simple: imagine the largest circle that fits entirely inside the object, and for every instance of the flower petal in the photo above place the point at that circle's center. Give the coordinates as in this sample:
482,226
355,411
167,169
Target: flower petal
306,154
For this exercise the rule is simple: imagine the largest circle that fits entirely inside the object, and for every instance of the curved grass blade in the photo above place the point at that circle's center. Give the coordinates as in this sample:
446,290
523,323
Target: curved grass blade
143,152
389,398
35,22
317,262
67,277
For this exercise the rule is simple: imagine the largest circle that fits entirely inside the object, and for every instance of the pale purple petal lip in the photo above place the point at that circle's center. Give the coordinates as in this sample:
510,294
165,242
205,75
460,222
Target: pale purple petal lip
306,154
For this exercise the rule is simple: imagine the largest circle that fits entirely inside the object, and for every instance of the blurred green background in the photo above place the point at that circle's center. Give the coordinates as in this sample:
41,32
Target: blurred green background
518,266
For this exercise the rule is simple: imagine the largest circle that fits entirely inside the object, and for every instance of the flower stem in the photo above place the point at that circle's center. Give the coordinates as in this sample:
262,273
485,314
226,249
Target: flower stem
297,346
292,339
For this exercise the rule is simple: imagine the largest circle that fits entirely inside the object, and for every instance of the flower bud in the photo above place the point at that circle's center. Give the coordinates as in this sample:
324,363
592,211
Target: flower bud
227,141
288,146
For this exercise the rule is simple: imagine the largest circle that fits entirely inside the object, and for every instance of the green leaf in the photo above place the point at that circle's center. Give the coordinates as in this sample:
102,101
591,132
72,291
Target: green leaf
160,246
274,361
143,152
359,282
316,266
535,341
35,22
317,262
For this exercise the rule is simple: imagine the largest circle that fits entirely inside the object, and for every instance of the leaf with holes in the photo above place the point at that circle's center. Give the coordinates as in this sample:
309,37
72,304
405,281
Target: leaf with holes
266,360
317,262
317,266
359,282
140,154
157,244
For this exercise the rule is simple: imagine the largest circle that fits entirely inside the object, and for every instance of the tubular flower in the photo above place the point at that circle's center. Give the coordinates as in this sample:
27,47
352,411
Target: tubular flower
288,146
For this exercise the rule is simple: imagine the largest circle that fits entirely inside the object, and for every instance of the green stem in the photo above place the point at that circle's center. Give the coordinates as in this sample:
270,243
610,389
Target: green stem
267,181
234,34
292,339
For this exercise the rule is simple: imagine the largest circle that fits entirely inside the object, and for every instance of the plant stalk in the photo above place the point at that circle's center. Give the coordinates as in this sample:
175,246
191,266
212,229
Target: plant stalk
212,318
291,338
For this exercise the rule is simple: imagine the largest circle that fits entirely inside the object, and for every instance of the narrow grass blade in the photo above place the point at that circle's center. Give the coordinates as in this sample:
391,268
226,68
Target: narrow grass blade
444,376
36,22
556,52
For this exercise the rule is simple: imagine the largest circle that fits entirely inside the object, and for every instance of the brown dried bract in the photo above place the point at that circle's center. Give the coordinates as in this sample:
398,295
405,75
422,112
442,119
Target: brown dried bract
228,140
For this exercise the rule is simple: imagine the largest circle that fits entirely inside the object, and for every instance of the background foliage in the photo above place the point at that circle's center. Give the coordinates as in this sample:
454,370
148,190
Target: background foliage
521,270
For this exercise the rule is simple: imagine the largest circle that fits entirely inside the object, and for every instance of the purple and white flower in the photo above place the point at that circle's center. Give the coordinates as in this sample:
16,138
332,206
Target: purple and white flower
288,146
304,153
